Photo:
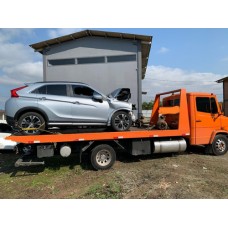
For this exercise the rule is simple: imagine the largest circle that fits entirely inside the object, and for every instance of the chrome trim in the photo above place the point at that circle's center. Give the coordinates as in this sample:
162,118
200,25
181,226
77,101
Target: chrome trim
76,124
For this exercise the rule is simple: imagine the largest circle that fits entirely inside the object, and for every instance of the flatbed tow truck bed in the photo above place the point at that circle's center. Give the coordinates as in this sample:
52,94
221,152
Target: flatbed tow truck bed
102,145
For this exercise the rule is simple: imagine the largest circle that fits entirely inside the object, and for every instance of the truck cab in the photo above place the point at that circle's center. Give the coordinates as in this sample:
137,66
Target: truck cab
206,118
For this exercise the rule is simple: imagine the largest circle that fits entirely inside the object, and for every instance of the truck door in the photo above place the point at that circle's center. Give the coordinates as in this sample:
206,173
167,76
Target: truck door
207,119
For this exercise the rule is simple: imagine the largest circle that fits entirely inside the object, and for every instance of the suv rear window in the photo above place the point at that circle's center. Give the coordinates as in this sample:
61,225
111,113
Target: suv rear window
58,90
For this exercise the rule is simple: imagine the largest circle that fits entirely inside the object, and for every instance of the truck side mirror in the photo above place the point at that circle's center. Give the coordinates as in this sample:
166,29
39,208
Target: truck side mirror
221,107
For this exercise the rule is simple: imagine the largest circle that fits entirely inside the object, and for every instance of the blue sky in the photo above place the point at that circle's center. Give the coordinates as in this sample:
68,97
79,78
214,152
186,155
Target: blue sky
189,58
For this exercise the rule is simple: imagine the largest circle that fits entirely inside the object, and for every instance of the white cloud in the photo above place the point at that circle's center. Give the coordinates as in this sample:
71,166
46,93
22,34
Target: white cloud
6,80
163,50
17,61
53,33
13,53
161,79
26,72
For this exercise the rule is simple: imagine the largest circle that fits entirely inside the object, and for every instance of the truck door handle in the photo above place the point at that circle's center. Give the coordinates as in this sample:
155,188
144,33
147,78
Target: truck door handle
43,98
198,120
76,102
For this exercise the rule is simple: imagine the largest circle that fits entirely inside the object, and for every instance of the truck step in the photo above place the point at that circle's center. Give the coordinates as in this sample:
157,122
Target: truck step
20,162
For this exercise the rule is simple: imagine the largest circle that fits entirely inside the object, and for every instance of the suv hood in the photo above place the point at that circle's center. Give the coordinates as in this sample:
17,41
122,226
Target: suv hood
121,94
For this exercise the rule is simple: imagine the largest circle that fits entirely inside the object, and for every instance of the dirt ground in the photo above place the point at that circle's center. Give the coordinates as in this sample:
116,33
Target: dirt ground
167,176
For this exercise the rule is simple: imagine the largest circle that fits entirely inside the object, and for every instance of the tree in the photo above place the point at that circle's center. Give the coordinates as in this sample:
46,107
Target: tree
147,105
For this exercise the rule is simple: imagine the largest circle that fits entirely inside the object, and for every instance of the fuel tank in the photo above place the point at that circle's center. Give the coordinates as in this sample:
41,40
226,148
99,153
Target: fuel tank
165,146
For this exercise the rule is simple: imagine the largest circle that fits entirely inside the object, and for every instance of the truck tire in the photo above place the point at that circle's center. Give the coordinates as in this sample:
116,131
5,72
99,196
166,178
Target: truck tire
103,157
31,120
121,121
219,145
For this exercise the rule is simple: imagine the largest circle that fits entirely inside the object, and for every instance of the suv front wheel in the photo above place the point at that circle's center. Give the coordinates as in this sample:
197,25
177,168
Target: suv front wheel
121,121
31,123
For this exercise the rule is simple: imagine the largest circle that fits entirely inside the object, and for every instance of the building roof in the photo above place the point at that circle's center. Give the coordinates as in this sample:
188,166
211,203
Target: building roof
222,79
145,42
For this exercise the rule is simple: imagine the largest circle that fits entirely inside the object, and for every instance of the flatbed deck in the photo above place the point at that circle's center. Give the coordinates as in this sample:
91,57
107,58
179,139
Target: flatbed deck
94,136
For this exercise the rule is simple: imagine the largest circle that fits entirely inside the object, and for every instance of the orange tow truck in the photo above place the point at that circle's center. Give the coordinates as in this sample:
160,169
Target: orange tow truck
178,119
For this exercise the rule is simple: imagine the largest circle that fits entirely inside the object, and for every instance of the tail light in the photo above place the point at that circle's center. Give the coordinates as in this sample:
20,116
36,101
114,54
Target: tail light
14,91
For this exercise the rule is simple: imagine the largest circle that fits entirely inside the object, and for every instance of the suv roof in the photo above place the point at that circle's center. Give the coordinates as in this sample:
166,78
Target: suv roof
53,82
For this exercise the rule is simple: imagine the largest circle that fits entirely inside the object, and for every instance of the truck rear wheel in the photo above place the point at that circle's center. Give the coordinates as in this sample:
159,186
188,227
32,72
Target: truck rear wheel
220,145
103,157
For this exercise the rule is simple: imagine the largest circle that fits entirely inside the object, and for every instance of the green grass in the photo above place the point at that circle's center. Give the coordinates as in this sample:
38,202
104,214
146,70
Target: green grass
111,190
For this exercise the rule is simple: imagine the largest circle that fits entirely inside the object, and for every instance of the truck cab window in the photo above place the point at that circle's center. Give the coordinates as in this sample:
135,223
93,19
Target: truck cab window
206,104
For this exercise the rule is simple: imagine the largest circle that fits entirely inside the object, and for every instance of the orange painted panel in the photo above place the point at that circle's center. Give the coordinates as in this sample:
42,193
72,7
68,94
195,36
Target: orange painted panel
97,136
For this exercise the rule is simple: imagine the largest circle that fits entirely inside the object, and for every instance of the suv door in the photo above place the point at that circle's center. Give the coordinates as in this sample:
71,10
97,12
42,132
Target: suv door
53,99
85,108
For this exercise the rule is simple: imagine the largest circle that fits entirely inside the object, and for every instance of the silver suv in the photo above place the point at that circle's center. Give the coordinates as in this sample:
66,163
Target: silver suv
41,105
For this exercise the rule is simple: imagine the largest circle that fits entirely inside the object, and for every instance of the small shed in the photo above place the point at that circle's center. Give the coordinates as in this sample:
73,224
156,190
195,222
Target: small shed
104,60
225,94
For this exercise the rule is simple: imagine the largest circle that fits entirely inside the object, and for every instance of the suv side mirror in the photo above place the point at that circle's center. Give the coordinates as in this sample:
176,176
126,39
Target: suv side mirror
98,97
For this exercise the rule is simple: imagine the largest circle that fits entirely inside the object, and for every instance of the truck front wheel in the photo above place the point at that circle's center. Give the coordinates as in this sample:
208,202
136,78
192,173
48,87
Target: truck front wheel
102,157
220,145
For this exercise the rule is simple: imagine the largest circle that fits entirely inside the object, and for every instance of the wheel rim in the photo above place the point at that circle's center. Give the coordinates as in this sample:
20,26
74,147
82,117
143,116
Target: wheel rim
122,121
103,157
220,145
31,121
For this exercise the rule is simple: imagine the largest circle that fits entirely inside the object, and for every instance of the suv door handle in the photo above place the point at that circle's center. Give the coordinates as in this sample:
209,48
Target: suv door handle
198,120
76,102
43,98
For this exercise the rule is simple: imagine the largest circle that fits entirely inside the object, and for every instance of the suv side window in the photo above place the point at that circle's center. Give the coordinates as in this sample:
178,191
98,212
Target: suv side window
58,90
80,90
206,104
41,90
